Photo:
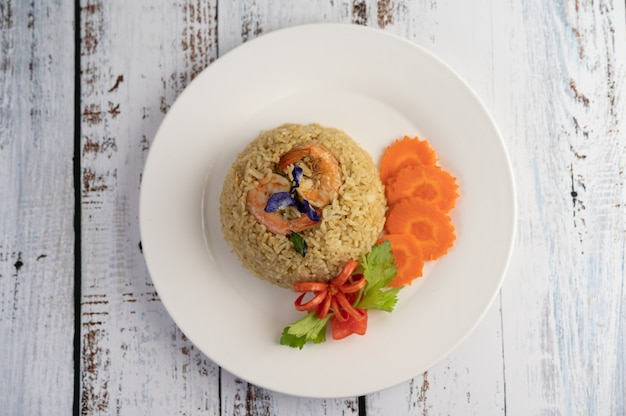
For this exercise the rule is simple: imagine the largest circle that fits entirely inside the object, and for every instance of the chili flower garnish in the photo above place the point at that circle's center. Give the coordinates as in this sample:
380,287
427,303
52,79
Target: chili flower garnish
332,296
345,300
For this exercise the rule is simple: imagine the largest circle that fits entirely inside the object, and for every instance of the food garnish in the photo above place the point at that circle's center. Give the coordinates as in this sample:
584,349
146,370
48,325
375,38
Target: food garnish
282,200
299,243
345,300
408,255
427,182
333,293
420,194
405,152
430,226
327,175
418,228
325,178
274,221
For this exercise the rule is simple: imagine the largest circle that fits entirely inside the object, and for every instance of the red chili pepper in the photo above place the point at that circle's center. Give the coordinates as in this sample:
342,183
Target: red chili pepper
341,329
333,295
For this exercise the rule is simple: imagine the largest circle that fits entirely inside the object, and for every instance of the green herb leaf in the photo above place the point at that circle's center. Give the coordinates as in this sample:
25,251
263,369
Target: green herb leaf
309,328
379,271
299,244
292,340
384,300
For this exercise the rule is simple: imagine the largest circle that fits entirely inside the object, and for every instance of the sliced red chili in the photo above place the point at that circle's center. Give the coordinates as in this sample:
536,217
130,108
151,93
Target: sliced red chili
312,304
337,310
354,287
347,270
336,296
348,327
347,306
310,286
324,307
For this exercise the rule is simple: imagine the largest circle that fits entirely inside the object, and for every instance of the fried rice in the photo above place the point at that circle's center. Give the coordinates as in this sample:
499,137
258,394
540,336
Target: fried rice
349,225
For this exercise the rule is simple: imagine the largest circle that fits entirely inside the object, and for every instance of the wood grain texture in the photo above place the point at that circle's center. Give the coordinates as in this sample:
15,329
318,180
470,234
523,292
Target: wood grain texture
553,74
563,306
470,381
136,57
239,21
36,208
242,398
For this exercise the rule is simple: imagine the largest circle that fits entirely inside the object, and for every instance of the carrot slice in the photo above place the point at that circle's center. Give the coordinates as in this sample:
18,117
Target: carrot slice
409,258
430,183
405,152
432,227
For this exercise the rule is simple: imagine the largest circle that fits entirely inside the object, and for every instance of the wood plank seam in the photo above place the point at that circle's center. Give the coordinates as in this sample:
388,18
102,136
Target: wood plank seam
77,211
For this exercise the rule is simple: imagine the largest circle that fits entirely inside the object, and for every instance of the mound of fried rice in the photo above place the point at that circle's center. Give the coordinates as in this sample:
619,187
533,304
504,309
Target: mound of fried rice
348,228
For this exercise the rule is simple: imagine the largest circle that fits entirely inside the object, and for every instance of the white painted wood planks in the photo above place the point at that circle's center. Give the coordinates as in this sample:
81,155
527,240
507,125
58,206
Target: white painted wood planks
136,57
563,305
553,76
36,208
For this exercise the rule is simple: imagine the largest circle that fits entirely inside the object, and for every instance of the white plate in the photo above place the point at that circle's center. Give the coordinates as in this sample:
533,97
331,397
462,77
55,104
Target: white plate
376,87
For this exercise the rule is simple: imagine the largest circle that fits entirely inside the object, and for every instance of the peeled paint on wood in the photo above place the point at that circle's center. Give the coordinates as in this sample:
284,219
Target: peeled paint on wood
552,76
36,208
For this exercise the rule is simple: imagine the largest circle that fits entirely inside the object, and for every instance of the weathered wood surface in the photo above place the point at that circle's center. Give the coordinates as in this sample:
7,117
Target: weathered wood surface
133,65
36,208
552,74
564,314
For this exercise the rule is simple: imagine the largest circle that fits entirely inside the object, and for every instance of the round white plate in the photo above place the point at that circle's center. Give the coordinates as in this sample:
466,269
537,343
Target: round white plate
377,87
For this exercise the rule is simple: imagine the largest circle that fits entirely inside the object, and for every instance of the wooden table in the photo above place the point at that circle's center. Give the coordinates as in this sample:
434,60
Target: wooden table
84,86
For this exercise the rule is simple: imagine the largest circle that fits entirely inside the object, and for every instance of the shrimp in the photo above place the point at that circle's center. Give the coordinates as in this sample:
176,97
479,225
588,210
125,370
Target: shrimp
274,221
322,187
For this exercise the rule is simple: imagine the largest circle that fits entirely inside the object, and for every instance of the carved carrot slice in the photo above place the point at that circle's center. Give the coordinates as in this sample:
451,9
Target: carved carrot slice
405,152
409,258
430,183
432,227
